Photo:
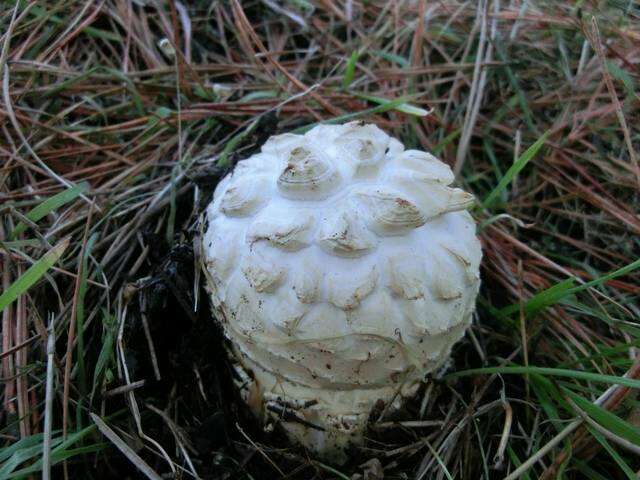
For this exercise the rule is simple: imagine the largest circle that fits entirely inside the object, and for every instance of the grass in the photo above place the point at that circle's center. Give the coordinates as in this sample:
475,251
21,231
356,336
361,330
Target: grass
110,148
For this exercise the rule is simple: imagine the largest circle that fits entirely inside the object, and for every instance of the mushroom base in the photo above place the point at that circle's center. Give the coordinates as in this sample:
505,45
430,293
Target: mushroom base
327,422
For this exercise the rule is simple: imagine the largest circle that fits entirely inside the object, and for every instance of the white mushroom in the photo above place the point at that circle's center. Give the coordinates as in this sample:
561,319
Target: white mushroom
343,269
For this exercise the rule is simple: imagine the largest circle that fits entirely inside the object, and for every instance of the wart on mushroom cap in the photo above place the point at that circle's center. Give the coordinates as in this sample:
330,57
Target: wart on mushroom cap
345,268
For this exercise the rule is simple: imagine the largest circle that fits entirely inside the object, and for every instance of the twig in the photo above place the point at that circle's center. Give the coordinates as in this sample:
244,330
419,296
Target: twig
506,431
124,389
407,424
126,450
152,349
271,462
179,436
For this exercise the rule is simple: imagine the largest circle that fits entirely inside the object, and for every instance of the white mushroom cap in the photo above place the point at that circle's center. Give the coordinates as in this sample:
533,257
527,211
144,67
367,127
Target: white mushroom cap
342,268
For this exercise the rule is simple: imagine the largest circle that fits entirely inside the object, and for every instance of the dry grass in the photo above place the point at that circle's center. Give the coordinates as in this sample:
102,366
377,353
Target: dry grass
116,120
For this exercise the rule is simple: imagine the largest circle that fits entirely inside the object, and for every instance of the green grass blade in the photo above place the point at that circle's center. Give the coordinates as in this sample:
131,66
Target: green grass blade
223,160
20,444
588,472
49,205
608,420
554,372
513,80
70,82
259,95
620,74
135,95
33,274
611,451
549,296
80,313
106,355
59,453
59,457
403,107
437,150
443,465
31,447
27,242
605,278
546,392
351,116
332,470
350,71
517,166
23,444
41,12
517,462
19,457
393,58
557,292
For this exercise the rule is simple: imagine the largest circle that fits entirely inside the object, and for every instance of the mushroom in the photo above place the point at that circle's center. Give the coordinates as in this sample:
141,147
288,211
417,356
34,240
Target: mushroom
342,269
